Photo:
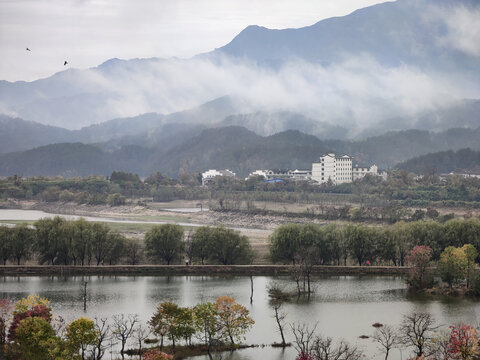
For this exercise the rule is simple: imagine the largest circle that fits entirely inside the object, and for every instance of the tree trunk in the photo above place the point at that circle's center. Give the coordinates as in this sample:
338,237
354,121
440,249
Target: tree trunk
280,328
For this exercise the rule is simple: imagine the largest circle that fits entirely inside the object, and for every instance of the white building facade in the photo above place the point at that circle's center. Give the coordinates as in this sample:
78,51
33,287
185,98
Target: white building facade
210,175
361,172
338,170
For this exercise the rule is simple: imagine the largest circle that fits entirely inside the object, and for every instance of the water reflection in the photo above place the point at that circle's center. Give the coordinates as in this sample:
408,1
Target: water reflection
343,306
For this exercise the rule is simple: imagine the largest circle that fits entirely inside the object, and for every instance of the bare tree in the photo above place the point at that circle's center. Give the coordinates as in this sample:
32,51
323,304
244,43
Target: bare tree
277,297
417,331
280,316
325,349
140,335
387,339
103,335
304,337
123,328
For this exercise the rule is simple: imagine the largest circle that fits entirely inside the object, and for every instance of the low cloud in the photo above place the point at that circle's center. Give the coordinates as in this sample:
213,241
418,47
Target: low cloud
357,93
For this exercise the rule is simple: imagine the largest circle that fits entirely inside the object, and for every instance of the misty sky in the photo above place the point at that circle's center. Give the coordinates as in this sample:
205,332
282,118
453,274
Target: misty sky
88,32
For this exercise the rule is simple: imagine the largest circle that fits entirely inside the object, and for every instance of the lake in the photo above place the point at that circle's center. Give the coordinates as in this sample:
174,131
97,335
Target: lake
343,307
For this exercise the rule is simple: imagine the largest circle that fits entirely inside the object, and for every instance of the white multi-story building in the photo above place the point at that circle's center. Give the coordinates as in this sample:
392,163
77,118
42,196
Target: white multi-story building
339,170
333,168
210,175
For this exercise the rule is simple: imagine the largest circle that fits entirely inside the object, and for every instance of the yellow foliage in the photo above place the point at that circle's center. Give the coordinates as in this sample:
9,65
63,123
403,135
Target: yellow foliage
30,302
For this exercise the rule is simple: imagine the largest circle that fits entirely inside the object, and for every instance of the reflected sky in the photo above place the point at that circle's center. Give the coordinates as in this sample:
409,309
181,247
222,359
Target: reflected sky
343,307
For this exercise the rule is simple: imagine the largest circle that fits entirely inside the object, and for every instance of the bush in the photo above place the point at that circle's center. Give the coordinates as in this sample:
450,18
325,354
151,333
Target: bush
116,199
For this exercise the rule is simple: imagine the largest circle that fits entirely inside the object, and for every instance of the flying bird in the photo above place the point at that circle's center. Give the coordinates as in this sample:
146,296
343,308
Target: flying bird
65,63
28,49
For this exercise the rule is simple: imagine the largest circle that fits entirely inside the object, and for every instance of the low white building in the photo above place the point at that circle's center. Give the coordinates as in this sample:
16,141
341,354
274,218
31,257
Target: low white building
262,173
361,172
300,174
210,175
283,174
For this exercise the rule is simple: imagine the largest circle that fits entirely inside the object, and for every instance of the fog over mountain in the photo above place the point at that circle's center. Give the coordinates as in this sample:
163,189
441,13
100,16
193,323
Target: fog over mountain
383,67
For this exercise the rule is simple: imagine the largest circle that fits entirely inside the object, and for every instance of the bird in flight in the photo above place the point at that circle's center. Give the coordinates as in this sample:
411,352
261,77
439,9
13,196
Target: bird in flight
28,49
65,63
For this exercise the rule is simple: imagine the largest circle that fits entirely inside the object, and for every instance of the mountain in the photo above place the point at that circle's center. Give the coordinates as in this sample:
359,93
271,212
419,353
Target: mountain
462,161
268,123
229,147
393,33
391,148
384,67
118,128
71,160
17,134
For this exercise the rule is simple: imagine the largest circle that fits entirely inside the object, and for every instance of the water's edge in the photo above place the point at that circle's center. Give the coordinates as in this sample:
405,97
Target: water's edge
267,270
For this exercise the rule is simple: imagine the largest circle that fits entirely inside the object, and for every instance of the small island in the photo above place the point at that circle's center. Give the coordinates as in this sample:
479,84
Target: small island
454,273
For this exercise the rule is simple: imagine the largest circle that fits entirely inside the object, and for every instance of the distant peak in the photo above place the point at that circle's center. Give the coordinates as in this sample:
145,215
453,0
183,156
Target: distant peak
111,62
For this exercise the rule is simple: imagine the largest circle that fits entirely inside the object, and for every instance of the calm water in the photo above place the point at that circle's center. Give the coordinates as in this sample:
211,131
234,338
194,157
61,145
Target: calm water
344,307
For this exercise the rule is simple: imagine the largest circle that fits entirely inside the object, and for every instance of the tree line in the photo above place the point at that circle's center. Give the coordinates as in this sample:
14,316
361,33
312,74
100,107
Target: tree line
390,245
56,241
213,245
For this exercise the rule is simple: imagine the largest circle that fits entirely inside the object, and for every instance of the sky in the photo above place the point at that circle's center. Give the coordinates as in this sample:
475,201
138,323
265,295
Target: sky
86,33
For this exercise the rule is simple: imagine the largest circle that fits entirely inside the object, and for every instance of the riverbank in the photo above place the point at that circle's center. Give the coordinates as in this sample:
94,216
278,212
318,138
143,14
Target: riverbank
162,270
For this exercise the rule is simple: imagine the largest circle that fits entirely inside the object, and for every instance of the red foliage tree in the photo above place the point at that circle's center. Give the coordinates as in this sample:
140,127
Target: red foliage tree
463,342
304,356
419,259
33,306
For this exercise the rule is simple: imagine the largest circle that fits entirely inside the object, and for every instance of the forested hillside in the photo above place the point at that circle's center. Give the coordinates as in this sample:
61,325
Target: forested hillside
464,160
233,147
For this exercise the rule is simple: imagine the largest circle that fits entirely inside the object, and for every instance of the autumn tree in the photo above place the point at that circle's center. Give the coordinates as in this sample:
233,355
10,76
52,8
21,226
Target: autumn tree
206,324
463,342
164,322
31,306
233,318
80,334
419,258
35,338
453,265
